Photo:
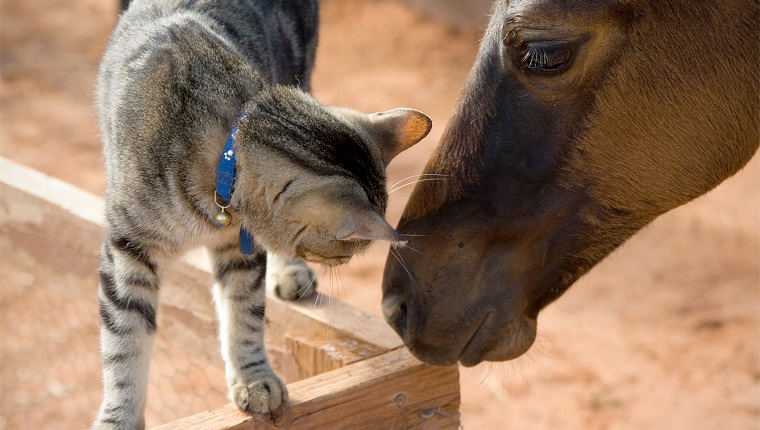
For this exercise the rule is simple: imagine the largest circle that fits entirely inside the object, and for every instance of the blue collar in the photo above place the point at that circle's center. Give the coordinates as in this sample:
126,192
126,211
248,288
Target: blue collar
225,185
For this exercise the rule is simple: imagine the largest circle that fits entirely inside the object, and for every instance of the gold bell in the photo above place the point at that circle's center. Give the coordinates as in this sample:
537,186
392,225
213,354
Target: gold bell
223,219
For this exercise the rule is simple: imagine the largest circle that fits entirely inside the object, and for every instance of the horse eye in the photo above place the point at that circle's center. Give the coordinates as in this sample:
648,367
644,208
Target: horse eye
545,57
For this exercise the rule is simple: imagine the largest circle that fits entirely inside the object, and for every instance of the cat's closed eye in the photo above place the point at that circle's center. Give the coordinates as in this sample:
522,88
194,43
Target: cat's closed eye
284,189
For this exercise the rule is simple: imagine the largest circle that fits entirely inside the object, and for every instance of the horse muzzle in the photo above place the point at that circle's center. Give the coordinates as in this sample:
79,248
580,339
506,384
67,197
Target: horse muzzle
444,320
471,341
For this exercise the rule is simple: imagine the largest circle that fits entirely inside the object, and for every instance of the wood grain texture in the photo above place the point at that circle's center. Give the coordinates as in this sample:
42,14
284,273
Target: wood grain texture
375,383
390,391
316,352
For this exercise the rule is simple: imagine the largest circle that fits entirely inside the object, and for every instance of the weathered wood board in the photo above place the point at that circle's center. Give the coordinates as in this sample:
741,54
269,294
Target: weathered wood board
345,368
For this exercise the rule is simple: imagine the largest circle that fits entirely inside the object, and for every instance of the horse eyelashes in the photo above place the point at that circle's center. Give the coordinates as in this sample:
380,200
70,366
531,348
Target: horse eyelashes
535,58
545,58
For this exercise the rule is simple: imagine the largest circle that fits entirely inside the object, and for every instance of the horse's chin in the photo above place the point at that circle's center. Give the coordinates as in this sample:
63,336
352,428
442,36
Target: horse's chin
490,342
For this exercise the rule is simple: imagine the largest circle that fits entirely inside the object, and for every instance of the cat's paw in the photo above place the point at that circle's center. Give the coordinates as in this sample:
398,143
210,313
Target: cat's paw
291,279
261,396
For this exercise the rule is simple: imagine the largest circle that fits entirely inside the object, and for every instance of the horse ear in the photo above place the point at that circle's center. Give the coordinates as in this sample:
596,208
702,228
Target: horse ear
368,225
399,129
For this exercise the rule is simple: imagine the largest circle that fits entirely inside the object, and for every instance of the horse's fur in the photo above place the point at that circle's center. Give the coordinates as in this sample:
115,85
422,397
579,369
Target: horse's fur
547,173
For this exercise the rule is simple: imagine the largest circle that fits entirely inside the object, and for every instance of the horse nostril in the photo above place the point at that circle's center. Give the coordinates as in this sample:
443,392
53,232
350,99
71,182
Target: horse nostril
394,310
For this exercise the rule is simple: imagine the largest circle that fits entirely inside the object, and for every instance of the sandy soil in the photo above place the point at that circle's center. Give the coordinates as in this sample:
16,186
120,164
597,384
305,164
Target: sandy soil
665,334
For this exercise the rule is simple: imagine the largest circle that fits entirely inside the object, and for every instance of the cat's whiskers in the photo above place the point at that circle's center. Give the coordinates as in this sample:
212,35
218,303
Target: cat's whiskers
305,288
406,245
392,187
330,303
329,274
426,177
304,324
337,286
318,301
414,182
400,260
348,302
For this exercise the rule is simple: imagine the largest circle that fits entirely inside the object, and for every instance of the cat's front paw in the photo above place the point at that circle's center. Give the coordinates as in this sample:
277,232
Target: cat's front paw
291,279
260,396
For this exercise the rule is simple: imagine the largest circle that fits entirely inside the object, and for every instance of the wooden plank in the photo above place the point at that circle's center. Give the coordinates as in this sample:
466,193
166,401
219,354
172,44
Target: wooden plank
62,195
392,390
315,352
60,227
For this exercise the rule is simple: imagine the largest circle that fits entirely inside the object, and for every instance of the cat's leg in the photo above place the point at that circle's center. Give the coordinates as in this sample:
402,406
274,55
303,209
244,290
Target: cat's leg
240,297
290,279
128,296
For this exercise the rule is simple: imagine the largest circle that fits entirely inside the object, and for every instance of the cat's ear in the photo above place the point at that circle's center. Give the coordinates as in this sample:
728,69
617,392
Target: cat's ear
399,129
368,225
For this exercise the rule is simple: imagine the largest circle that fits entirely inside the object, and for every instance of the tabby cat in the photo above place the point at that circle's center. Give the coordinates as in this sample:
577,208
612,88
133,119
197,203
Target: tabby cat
187,90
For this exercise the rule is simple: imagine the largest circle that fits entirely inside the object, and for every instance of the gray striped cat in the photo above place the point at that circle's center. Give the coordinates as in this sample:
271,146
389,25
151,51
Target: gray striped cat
187,90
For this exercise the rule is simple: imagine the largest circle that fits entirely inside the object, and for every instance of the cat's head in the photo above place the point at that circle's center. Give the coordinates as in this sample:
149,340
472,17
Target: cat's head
312,180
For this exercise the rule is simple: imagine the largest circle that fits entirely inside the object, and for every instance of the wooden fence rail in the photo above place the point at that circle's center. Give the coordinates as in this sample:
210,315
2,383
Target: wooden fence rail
345,369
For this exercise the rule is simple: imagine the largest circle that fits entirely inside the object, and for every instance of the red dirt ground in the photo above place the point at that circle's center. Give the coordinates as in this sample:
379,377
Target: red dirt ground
664,334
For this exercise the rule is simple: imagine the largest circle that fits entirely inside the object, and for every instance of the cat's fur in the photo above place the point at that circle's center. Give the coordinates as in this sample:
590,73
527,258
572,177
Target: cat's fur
310,180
